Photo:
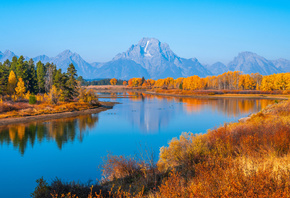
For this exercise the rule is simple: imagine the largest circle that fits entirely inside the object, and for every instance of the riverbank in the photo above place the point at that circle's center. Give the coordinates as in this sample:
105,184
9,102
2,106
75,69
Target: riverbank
193,94
249,158
51,115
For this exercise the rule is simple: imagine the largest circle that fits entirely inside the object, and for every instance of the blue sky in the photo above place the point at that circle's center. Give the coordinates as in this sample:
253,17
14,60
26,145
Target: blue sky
99,29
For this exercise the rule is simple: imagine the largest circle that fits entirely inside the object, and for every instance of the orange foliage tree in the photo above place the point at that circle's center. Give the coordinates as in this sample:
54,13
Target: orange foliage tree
113,81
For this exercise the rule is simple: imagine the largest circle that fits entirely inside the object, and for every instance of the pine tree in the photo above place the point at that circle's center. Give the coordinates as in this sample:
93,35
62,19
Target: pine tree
71,83
40,71
7,63
21,69
32,80
14,64
11,82
4,72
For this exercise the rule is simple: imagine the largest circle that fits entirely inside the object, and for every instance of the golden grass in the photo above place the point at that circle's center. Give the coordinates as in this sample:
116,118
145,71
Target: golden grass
245,159
24,109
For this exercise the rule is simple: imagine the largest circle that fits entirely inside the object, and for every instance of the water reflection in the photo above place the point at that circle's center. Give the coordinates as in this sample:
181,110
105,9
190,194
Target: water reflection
61,131
149,113
228,106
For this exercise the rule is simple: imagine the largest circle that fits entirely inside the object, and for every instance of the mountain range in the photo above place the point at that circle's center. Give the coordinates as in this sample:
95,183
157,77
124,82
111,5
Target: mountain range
151,58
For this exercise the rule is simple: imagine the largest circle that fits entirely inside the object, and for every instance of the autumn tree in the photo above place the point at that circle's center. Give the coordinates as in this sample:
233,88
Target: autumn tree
267,83
125,83
54,95
89,96
20,89
113,81
12,81
282,81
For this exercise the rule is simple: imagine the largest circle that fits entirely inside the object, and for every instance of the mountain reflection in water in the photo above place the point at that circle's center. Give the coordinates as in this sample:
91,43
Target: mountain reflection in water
149,113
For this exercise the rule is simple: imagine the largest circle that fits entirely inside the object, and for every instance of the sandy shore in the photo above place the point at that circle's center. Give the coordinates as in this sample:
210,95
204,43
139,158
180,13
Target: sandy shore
45,117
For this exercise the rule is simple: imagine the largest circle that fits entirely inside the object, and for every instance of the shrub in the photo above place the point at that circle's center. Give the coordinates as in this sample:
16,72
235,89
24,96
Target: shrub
89,96
32,99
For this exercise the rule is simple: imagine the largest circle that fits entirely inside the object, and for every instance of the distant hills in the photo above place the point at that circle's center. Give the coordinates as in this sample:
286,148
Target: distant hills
152,59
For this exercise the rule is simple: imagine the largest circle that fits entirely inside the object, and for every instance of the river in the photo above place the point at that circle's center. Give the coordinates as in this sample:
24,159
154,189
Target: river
73,148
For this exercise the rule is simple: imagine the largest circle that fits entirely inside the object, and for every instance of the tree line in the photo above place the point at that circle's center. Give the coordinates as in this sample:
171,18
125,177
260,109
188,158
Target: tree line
232,80
106,81
19,76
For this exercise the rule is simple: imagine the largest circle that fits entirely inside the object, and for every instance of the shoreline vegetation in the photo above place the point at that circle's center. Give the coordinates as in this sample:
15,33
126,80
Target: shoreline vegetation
30,92
249,158
228,84
50,114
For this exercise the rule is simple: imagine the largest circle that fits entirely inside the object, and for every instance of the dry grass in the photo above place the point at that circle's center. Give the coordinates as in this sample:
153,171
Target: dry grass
21,109
247,159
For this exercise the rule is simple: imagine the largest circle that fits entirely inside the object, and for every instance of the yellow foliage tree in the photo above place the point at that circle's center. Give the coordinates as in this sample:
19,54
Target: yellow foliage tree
20,89
54,95
113,81
89,96
12,81
267,83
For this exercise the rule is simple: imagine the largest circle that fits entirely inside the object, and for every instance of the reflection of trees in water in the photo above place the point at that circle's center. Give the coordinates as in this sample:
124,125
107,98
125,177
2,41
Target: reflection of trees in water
229,106
61,131
150,116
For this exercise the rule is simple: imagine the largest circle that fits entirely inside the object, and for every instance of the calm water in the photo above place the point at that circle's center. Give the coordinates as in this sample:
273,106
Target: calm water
72,149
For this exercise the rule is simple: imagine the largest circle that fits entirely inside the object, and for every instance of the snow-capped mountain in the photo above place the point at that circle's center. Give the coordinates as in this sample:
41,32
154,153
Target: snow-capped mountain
160,61
249,62
151,58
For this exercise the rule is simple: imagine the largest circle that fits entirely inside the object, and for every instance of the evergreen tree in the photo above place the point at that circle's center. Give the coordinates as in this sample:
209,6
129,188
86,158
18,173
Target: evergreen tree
57,81
14,64
71,83
32,80
40,71
81,80
21,69
4,72
7,63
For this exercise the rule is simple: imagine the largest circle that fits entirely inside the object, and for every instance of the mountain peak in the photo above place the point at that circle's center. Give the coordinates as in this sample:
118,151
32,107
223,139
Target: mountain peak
147,39
8,52
66,53
247,54
249,62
